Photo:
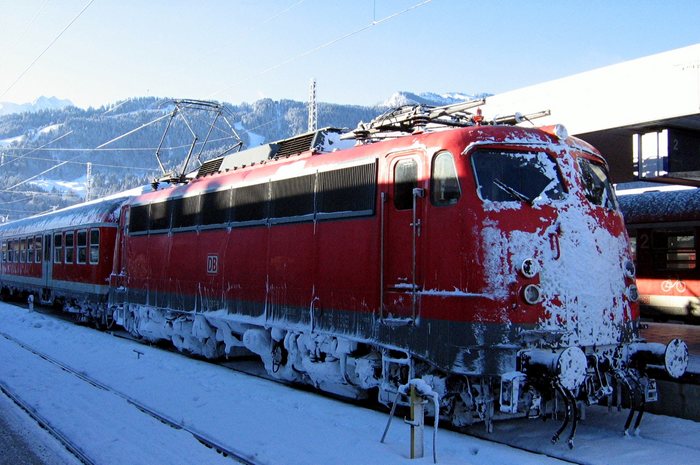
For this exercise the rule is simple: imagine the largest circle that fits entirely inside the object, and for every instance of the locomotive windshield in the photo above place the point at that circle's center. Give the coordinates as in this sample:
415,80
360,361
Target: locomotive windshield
596,184
506,176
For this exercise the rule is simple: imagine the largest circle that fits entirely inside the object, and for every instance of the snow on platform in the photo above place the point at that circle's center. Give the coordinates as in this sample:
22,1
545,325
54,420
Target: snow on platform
275,423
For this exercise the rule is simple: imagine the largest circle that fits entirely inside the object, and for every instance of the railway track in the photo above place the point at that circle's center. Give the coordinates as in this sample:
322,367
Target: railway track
72,447
245,368
77,451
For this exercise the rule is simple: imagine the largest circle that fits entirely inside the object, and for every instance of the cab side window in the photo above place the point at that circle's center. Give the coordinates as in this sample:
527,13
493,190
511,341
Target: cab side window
405,180
444,183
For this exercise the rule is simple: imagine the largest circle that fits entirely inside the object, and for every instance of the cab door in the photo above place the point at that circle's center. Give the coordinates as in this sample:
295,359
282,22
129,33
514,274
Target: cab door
403,210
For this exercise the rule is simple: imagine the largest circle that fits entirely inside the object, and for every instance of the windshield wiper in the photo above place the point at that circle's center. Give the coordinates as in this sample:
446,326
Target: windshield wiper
512,192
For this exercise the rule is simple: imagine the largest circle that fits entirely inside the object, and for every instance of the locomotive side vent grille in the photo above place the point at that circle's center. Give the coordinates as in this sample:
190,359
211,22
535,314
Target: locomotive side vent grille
209,167
296,144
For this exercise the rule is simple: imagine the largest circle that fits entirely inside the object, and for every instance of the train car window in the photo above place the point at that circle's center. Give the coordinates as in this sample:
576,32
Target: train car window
596,184
38,247
4,251
30,250
138,219
347,191
69,245
22,250
82,247
15,248
507,176
293,197
444,183
674,250
216,207
58,248
186,212
94,246
405,180
159,216
251,203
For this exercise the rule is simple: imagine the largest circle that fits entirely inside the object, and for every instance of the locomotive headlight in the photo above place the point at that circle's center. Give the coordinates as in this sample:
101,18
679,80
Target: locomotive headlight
633,293
630,270
529,268
532,294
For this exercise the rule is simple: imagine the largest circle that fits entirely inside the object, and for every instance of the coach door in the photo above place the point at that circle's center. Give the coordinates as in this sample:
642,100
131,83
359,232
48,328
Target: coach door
402,215
46,261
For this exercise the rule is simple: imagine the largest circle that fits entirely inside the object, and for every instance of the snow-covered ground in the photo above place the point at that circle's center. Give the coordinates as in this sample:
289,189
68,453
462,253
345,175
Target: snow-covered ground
273,423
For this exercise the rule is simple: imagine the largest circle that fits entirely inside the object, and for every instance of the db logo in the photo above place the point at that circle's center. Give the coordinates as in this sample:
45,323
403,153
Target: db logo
212,264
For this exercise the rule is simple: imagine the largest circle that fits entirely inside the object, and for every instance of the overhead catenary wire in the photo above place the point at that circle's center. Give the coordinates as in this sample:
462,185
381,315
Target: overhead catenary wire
102,165
37,149
322,46
26,70
23,34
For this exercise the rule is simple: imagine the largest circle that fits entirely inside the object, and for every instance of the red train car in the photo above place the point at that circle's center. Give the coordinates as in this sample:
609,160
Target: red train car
487,259
663,228
64,257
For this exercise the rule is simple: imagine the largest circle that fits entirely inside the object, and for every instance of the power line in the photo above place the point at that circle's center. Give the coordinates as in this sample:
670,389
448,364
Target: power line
325,45
103,165
38,148
21,75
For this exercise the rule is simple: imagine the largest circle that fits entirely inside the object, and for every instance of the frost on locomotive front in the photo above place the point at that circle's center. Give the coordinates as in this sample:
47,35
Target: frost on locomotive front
487,259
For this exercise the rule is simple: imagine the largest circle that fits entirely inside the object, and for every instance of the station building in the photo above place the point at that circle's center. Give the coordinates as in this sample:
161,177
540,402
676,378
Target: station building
640,113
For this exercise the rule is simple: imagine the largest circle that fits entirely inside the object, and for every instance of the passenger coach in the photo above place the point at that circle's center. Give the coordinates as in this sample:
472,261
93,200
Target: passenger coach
62,257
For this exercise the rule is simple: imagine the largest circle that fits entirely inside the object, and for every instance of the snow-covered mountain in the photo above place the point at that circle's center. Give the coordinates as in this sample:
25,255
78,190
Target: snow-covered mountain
428,98
41,103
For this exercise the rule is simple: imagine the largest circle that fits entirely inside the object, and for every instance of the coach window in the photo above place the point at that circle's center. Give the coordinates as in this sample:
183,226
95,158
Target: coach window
37,249
4,251
94,246
58,248
30,250
405,180
70,242
23,250
82,247
674,250
444,184
10,252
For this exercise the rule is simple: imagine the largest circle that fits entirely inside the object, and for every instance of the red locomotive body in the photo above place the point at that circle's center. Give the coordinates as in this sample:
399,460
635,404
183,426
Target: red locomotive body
490,260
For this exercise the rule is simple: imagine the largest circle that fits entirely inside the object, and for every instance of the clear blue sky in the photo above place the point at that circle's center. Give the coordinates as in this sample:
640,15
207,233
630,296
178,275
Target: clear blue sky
243,50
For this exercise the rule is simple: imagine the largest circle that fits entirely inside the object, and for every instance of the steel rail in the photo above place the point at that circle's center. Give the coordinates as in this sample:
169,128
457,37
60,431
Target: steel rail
46,425
225,450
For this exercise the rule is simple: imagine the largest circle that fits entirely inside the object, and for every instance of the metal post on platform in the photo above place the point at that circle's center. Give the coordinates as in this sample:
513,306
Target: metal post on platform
417,423
418,397
30,302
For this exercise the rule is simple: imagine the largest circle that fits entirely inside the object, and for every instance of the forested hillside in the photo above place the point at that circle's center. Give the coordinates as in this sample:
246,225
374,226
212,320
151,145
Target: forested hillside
44,155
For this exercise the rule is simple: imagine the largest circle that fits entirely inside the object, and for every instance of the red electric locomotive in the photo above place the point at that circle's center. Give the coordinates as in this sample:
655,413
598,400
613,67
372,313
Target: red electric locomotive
488,259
